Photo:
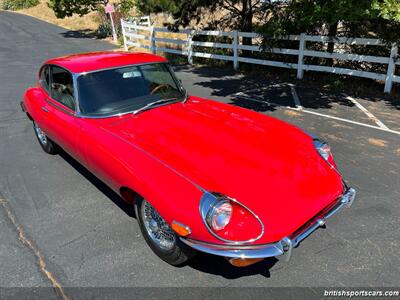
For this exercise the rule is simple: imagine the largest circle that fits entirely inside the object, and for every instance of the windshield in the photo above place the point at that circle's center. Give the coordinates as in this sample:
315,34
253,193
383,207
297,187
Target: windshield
126,89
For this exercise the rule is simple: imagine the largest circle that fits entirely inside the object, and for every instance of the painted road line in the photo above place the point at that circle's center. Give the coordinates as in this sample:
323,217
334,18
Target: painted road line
370,115
239,95
344,120
296,98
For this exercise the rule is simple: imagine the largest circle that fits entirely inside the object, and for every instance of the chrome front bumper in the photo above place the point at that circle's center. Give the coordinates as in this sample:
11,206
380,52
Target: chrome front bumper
284,246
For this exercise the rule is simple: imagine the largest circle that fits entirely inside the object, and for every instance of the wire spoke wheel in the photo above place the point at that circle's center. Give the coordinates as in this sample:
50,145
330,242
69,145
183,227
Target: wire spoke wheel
157,229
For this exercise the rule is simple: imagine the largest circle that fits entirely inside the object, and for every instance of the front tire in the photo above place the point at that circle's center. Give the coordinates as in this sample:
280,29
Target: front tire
47,145
160,237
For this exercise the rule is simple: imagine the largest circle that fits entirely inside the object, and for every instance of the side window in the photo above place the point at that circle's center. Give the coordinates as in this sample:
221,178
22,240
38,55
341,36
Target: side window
62,87
45,78
155,75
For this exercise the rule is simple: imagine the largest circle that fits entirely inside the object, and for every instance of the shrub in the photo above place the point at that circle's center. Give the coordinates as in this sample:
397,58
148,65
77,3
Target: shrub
18,4
104,30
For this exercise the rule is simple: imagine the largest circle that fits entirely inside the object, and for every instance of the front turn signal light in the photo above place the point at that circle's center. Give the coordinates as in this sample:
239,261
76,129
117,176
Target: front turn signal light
244,262
180,228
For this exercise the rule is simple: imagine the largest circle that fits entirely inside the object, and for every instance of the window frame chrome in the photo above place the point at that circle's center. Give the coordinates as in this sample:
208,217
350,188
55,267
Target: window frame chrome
48,97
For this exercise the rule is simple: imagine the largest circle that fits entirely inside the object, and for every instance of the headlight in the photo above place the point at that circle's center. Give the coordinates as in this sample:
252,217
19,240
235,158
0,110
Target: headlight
322,148
219,215
229,220
325,151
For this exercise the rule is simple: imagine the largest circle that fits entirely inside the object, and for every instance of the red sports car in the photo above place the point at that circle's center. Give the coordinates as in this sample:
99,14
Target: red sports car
202,175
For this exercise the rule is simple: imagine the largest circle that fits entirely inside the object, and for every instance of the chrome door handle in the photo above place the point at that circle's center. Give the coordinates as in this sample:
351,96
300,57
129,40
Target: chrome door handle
45,109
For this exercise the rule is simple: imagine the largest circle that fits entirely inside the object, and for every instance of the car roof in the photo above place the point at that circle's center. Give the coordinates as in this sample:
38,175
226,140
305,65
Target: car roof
93,61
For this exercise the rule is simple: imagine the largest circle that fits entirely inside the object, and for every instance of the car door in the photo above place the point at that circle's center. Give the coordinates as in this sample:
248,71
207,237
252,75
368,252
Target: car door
60,123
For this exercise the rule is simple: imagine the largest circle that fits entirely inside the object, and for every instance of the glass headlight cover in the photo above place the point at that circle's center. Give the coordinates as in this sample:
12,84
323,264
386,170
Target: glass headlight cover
325,151
219,215
229,220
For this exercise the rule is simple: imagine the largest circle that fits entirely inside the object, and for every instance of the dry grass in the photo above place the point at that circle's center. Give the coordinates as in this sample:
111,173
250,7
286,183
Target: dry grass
43,12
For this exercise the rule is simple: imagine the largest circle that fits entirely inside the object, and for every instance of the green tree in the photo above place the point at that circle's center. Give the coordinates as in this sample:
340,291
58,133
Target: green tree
66,8
337,17
240,14
147,7
351,18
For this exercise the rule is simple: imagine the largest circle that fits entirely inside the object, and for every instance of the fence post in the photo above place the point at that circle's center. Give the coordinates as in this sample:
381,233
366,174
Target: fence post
189,47
391,69
123,35
134,25
302,44
153,40
235,44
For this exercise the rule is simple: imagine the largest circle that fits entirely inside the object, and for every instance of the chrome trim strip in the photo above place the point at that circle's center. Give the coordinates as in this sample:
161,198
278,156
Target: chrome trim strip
229,246
284,246
75,96
79,115
75,81
59,106
346,200
208,200
267,251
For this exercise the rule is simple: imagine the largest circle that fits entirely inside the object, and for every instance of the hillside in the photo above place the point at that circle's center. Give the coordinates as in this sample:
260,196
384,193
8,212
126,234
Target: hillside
85,23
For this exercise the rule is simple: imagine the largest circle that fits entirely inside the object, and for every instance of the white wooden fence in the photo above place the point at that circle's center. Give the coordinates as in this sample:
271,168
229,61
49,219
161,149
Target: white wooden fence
147,37
142,21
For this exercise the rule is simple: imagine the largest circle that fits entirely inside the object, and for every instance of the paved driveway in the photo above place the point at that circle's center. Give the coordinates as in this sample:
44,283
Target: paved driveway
87,236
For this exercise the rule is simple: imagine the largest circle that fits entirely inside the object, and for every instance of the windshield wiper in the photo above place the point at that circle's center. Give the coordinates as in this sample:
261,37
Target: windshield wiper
151,104
186,97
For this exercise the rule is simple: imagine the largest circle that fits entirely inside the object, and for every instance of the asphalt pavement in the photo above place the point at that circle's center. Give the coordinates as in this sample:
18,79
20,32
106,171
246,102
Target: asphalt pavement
88,237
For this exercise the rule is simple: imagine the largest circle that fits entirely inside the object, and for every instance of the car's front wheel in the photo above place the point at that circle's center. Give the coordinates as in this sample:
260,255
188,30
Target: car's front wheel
47,145
160,237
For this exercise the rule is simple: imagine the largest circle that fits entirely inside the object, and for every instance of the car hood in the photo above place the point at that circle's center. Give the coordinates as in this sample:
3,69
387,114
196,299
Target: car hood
268,165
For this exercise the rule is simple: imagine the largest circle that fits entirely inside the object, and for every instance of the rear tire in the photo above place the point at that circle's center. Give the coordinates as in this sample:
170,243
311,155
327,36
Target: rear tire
160,237
47,145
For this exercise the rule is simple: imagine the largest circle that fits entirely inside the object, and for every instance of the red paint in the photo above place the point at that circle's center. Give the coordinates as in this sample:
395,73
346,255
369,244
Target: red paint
165,153
92,61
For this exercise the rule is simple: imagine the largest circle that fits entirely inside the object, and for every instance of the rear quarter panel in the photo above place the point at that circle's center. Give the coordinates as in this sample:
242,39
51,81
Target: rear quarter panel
33,99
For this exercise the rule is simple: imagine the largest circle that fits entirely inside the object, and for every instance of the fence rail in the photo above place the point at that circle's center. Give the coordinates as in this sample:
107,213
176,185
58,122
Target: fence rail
145,36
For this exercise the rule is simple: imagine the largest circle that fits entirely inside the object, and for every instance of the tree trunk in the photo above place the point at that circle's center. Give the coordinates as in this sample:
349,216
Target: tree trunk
331,46
246,24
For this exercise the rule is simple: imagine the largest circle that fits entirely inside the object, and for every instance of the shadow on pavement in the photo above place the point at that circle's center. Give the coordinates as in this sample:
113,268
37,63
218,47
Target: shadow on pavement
257,86
79,34
217,265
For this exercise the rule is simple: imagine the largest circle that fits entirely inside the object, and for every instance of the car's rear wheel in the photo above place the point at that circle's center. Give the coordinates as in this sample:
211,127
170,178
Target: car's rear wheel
160,237
47,145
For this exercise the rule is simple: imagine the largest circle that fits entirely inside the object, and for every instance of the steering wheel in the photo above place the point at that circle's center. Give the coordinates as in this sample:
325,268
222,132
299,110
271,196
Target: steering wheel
158,87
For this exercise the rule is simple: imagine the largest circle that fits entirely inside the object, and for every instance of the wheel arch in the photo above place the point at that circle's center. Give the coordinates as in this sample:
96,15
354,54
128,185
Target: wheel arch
129,195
